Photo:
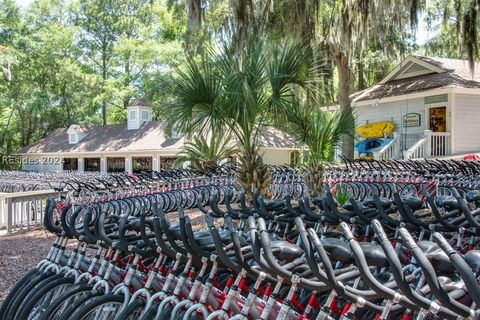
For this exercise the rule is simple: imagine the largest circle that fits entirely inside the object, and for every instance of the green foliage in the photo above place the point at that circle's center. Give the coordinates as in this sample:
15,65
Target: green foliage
81,61
208,150
341,194
222,91
321,131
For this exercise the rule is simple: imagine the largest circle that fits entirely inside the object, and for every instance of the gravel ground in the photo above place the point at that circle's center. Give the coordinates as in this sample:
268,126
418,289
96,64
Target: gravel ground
21,251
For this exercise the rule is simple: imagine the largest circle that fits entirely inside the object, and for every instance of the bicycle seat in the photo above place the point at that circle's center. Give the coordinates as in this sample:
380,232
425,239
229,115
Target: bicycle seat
339,250
439,259
205,239
286,251
370,202
472,258
374,254
175,229
448,284
473,196
413,203
447,202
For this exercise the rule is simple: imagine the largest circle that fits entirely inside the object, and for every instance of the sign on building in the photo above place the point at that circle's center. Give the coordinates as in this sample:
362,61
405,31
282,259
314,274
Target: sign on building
436,99
411,120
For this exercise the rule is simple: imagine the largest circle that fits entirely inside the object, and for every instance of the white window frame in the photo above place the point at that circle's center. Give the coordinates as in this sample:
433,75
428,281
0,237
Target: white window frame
146,114
132,115
73,138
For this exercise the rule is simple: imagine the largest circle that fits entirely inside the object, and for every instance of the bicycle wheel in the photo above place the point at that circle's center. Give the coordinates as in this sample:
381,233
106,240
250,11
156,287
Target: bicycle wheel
41,297
149,314
132,311
16,290
59,306
25,290
166,312
103,307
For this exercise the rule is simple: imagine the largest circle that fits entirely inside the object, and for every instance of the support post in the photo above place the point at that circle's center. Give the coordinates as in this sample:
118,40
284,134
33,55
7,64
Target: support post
9,214
428,143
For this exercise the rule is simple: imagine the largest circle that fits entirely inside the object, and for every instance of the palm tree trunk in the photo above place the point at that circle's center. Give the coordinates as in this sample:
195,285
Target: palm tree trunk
314,178
254,175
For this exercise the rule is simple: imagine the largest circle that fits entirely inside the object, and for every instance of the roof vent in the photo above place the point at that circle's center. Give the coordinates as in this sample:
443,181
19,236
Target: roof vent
138,112
76,133
413,70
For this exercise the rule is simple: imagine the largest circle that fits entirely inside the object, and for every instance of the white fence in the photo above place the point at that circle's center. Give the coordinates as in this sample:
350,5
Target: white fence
22,210
432,144
390,151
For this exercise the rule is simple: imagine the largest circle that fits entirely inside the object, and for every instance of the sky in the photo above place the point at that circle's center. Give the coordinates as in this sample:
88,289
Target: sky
23,3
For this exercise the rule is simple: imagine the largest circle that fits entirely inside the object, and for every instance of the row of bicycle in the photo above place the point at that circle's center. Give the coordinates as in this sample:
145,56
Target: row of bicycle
402,257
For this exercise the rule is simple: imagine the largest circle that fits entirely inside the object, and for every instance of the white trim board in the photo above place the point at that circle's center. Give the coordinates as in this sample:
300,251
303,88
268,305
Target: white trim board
414,95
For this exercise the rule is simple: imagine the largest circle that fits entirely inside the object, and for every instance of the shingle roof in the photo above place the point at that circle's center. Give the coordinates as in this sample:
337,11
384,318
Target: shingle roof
150,136
457,75
270,137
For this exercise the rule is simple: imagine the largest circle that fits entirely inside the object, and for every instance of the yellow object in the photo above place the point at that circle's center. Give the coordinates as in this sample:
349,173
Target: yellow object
375,130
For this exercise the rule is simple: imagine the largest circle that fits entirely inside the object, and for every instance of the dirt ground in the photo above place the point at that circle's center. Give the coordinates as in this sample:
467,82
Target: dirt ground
19,253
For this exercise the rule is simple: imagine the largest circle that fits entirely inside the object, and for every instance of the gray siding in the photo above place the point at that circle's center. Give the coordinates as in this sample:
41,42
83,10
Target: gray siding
394,112
466,123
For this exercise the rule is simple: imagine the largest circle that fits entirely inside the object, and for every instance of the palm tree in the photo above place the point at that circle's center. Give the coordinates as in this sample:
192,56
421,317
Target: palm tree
205,152
225,91
322,132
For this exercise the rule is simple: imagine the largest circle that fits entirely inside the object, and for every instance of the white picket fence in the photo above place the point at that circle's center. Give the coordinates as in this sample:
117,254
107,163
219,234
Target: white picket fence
23,210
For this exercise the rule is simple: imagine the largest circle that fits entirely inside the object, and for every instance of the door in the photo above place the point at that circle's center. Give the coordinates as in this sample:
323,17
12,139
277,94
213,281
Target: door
438,119
438,125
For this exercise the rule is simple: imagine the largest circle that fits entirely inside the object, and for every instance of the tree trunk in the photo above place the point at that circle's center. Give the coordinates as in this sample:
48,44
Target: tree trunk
104,78
361,77
344,77
314,178
127,80
194,25
254,175
243,14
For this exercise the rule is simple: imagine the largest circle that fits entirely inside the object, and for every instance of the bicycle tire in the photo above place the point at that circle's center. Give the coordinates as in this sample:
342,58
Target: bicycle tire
54,311
95,303
39,293
149,314
83,299
133,307
25,290
166,312
16,290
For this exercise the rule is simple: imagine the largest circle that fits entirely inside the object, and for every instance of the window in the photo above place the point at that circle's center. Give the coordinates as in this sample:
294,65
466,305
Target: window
92,164
132,115
167,162
115,164
145,115
73,138
140,164
295,157
70,164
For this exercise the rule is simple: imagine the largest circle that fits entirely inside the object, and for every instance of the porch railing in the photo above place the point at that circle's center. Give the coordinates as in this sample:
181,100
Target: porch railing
389,151
432,144
23,210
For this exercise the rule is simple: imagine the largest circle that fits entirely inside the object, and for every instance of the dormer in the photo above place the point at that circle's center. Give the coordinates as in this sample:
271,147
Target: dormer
76,133
138,112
